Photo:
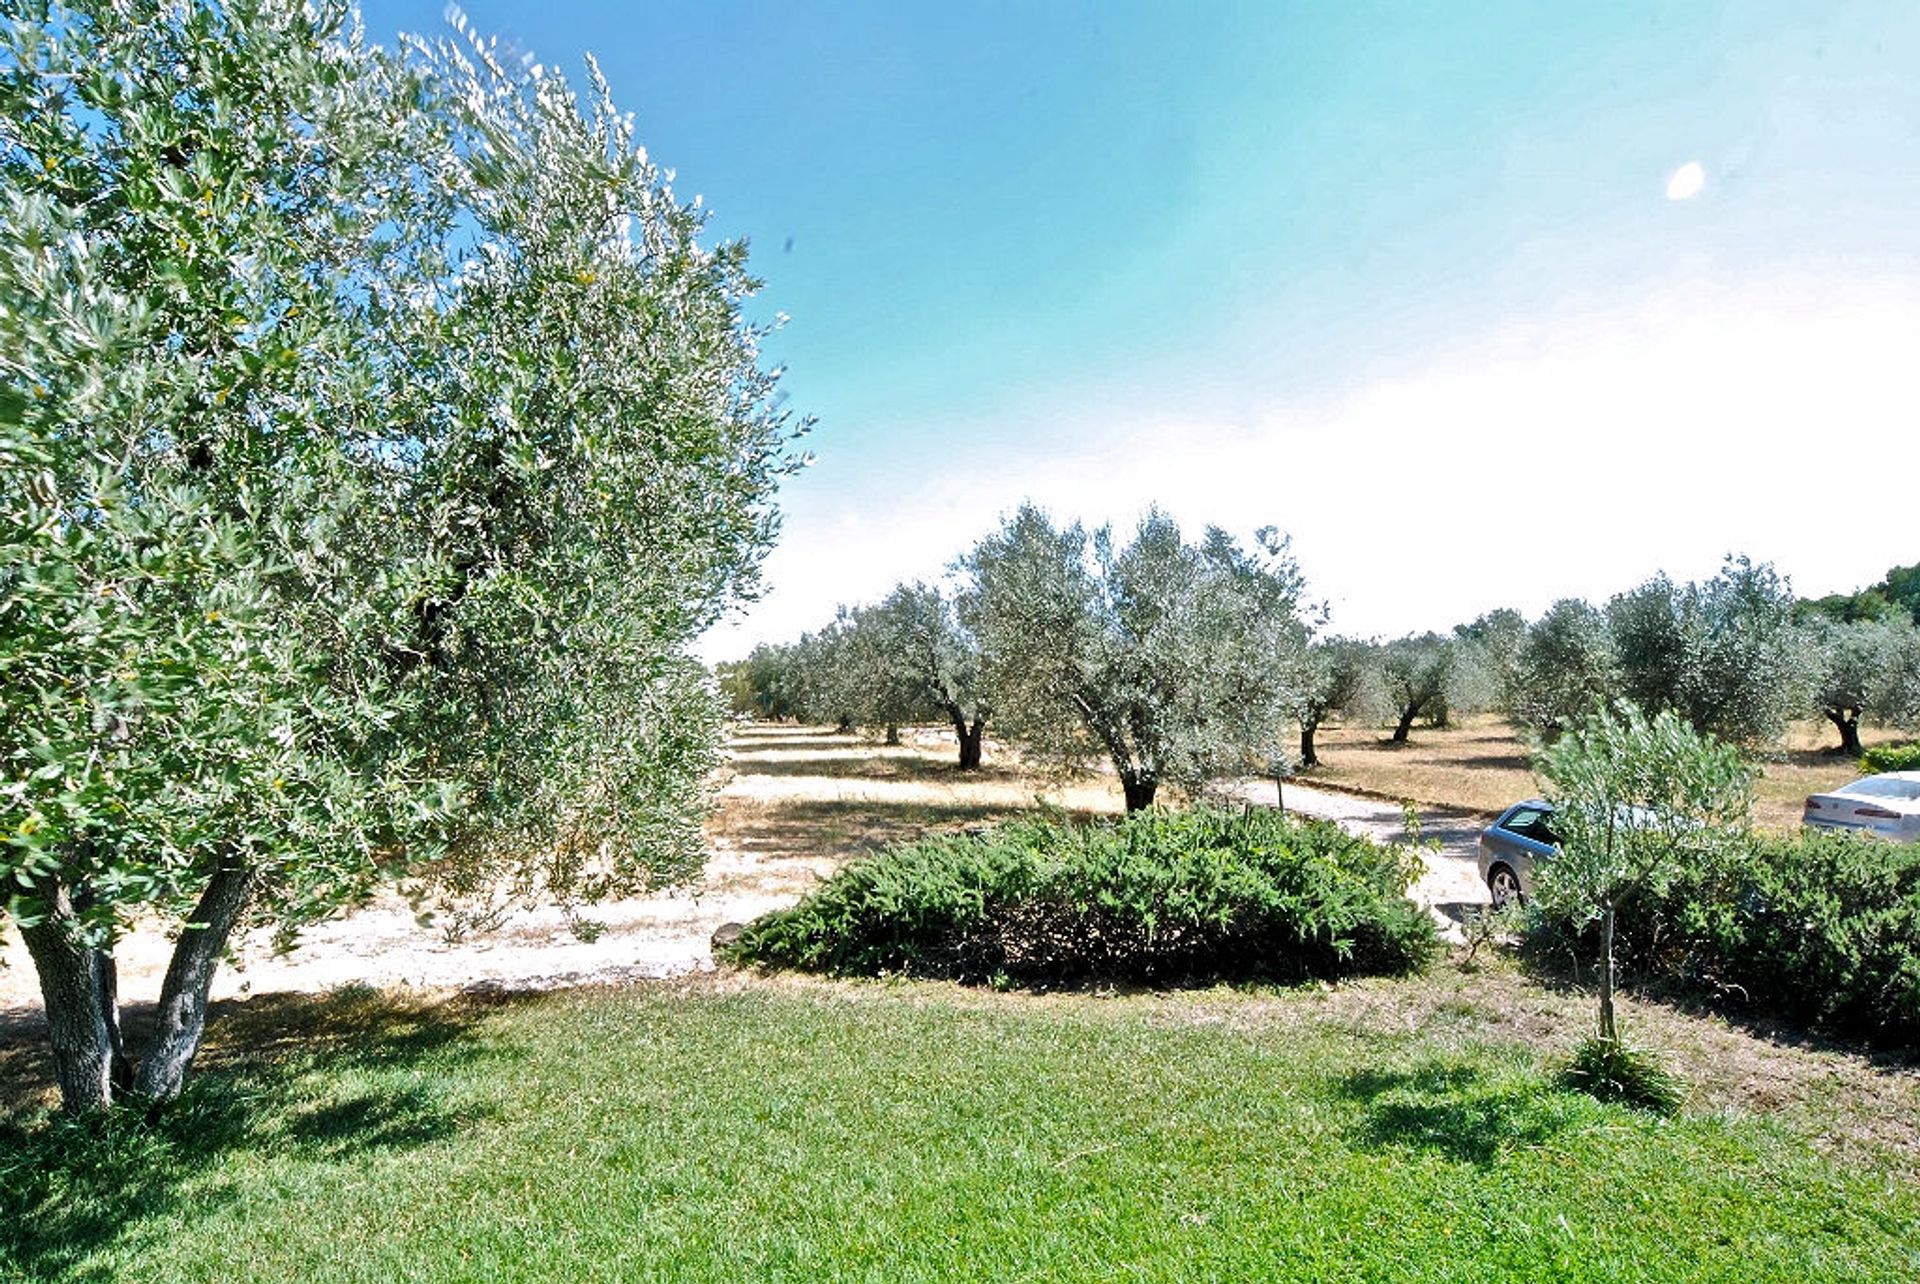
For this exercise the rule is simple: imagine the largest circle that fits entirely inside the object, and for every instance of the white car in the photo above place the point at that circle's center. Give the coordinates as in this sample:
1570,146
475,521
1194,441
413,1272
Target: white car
1887,805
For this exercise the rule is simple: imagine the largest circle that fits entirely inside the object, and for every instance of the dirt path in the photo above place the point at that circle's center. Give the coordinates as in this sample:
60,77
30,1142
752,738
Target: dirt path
797,804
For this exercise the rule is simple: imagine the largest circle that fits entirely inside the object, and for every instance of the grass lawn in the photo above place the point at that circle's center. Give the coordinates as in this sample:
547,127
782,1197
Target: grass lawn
748,1129
1482,765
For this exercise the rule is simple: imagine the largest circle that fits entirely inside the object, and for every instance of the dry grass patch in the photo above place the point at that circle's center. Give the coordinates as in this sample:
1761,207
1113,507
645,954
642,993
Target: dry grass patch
1483,765
808,792
1479,765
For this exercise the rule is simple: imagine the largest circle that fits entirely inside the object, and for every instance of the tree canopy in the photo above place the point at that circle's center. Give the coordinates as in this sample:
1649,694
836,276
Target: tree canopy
927,661
1336,676
1566,668
1416,672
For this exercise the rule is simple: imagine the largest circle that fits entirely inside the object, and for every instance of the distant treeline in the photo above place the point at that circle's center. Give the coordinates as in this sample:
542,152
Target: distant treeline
1181,662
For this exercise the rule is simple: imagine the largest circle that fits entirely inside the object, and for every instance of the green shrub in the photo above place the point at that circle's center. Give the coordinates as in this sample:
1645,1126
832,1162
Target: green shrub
1891,758
1610,1070
1819,928
1159,897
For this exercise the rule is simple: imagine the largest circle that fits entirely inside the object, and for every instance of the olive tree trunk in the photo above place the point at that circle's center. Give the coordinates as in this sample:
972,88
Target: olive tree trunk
80,988
76,984
1308,758
970,738
1407,716
1847,722
182,1015
1609,1031
1139,792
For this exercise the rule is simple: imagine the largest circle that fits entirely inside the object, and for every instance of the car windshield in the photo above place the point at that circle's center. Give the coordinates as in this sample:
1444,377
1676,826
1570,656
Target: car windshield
1885,787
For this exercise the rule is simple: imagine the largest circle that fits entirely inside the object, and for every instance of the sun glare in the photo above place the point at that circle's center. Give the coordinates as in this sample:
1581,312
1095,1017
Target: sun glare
1686,182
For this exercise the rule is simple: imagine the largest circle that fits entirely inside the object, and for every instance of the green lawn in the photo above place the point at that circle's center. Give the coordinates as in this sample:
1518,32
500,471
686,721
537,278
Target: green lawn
747,1130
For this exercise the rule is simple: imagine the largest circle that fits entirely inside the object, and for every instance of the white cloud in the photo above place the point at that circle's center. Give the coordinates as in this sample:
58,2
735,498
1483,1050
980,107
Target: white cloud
1685,183
1566,458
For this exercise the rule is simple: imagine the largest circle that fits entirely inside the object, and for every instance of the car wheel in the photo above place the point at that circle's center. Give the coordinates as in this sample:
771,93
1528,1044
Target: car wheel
1504,885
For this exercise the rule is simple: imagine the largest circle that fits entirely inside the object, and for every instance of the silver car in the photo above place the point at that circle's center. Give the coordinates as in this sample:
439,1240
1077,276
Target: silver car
1887,805
1510,846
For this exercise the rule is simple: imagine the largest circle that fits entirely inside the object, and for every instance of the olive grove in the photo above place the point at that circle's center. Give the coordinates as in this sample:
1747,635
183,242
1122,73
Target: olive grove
1725,654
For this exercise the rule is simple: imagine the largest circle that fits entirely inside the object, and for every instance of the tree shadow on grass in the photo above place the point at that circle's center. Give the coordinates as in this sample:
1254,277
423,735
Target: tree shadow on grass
1452,1110
330,1078
26,1066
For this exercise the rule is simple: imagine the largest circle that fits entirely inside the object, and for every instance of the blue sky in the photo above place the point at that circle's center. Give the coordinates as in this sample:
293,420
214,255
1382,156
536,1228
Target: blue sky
1404,280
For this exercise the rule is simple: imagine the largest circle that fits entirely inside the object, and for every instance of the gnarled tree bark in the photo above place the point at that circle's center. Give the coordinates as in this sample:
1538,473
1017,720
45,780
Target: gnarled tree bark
182,1016
1847,722
970,742
84,1032
1308,758
80,987
969,736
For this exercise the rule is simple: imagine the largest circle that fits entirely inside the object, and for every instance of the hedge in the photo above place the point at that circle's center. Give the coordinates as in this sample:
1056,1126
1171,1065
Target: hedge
1189,897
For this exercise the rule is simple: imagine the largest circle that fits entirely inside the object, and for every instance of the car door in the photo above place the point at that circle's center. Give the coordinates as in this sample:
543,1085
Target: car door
1524,835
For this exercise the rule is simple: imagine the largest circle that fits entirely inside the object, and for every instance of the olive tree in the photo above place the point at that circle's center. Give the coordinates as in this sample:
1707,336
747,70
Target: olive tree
829,686
1899,695
1415,673
1177,662
1336,679
929,662
377,435
1496,640
777,680
1634,798
1856,667
1726,655
1648,628
1477,681
1565,668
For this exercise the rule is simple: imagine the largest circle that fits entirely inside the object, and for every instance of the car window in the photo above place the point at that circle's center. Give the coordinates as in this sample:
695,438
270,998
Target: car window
1885,787
1526,822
